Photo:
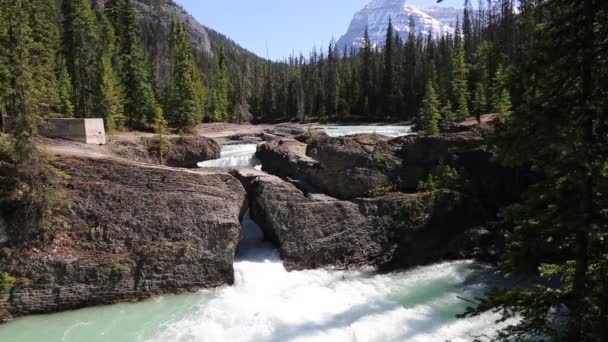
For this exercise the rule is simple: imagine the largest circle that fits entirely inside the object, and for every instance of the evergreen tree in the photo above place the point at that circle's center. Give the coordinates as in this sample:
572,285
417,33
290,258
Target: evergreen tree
29,56
479,101
411,64
267,105
501,97
220,96
141,107
64,107
559,229
183,107
430,110
366,75
80,41
108,93
388,91
460,89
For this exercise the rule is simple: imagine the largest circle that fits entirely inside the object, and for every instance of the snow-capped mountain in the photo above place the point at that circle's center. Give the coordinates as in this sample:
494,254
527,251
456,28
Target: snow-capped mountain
446,15
375,16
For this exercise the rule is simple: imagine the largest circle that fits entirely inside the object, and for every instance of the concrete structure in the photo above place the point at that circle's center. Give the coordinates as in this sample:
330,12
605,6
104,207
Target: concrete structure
88,131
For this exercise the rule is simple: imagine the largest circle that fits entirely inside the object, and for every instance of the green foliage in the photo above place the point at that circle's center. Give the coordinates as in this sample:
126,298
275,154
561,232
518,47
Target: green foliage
140,103
459,79
65,107
118,268
220,95
444,177
430,111
183,96
109,93
501,99
7,282
80,37
29,196
558,230
428,185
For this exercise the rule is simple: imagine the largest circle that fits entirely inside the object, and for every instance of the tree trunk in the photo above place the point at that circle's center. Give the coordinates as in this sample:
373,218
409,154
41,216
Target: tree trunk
575,331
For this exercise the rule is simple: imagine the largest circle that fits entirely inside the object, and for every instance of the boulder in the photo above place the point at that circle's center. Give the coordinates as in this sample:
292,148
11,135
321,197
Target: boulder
189,151
345,168
311,231
185,152
393,231
312,135
421,154
285,131
286,158
127,232
424,227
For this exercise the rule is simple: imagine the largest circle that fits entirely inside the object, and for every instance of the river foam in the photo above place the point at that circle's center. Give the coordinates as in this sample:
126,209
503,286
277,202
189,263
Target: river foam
235,156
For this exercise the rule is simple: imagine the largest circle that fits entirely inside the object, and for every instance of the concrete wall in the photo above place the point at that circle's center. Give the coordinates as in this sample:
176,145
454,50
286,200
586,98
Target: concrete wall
88,131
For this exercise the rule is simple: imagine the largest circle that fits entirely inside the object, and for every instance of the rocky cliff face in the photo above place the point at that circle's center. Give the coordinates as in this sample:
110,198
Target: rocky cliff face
352,201
163,11
128,231
391,231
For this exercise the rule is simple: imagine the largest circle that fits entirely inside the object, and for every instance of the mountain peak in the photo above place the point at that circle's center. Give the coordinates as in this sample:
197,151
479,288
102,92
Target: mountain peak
375,17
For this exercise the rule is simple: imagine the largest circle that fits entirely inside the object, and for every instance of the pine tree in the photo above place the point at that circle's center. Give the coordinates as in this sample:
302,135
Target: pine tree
389,70
460,89
64,106
430,110
220,96
108,92
80,40
479,101
141,107
366,75
183,107
267,104
558,230
501,97
31,45
411,65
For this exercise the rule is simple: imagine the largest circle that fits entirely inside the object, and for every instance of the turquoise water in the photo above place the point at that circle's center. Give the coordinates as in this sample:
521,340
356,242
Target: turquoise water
268,303
390,131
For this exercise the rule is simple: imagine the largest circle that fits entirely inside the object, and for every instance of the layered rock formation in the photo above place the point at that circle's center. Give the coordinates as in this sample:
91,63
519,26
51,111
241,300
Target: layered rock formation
184,152
127,232
369,183
391,231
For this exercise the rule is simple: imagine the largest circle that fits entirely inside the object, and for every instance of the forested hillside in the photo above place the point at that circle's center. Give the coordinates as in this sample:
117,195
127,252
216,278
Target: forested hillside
115,59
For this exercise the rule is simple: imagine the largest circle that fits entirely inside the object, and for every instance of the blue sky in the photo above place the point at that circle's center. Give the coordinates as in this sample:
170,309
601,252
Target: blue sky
285,25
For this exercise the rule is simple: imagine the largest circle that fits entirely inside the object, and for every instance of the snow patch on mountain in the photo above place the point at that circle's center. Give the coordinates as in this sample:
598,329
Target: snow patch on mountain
375,16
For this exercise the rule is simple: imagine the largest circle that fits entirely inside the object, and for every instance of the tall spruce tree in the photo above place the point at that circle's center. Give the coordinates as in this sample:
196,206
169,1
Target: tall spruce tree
559,229
388,91
28,32
80,39
141,107
460,89
108,92
183,108
220,91
430,110
366,76
411,64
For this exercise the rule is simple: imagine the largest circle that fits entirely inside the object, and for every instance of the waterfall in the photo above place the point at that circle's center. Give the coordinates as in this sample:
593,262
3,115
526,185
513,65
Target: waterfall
234,156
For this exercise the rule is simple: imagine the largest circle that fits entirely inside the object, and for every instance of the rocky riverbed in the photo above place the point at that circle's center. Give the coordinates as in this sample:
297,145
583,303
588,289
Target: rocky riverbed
137,226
